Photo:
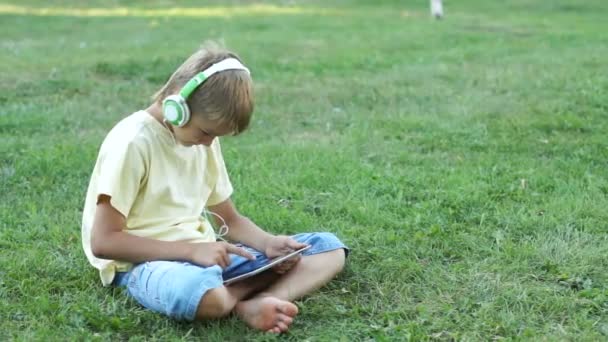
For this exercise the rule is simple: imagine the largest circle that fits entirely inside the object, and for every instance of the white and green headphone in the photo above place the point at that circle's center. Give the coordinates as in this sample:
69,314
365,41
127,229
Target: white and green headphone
175,107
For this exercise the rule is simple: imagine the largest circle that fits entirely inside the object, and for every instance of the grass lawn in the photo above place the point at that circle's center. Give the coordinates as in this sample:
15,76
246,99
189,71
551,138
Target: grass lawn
463,161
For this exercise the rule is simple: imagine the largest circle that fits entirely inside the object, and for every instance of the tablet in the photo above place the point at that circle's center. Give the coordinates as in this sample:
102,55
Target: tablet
271,264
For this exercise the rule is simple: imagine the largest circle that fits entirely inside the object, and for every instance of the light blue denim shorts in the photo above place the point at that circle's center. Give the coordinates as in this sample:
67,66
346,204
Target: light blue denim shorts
176,288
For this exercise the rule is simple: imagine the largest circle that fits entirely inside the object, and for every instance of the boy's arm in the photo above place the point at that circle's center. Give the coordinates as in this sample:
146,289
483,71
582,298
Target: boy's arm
243,230
109,241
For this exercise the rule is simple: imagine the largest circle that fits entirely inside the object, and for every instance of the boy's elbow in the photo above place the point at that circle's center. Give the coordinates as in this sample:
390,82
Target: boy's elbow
96,252
97,249
100,246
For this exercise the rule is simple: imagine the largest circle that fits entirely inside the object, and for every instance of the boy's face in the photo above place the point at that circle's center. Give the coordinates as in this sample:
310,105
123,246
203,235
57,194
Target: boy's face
199,132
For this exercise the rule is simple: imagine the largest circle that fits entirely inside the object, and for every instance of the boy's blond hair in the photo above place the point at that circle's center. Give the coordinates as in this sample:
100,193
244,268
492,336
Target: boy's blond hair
225,99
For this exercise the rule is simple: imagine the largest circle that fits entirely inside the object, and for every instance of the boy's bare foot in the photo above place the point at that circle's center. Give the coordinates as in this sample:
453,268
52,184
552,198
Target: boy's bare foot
269,314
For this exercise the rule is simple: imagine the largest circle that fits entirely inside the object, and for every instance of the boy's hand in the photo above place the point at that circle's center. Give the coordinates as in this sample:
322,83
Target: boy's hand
216,253
281,245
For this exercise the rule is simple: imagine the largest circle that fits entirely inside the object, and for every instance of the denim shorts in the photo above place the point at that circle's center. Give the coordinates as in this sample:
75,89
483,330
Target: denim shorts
176,288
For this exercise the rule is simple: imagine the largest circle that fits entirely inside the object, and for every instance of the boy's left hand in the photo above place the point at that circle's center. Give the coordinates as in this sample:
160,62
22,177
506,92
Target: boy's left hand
281,245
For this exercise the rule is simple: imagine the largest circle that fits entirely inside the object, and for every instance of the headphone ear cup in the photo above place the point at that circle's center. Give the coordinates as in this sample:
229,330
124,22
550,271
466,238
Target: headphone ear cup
176,111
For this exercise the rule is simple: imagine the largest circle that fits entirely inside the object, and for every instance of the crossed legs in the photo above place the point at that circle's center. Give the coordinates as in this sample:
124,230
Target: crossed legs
265,302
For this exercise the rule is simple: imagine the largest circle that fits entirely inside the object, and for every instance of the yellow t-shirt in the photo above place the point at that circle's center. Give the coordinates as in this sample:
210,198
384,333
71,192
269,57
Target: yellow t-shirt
161,187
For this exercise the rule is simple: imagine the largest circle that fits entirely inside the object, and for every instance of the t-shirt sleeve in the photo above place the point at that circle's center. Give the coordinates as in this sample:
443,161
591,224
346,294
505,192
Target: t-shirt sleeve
120,176
223,188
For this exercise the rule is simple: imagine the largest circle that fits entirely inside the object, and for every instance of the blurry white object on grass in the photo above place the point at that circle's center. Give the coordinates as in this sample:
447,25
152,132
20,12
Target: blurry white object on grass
437,9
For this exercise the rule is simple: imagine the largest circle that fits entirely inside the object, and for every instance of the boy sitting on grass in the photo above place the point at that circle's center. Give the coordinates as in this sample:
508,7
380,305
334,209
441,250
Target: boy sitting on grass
156,172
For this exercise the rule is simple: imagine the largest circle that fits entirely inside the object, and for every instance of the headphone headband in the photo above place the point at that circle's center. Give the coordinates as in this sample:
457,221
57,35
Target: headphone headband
226,64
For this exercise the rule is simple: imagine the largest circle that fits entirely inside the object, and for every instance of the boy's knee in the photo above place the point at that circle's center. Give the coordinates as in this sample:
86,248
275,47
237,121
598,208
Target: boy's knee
215,303
339,257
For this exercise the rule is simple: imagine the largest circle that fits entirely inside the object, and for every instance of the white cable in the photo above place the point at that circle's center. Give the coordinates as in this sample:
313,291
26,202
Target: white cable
222,230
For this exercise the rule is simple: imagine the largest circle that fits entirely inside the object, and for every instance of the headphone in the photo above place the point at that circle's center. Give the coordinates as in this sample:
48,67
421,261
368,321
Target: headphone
175,108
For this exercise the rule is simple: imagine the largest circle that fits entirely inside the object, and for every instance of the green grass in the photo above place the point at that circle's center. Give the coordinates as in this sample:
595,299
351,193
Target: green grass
463,161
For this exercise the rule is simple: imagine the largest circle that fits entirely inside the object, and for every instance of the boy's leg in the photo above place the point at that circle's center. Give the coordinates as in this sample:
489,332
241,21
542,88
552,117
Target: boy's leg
185,291
220,301
177,288
268,314
273,315
245,289
271,310
309,274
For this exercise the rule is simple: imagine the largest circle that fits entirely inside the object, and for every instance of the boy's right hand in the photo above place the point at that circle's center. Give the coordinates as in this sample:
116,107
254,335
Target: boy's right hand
216,253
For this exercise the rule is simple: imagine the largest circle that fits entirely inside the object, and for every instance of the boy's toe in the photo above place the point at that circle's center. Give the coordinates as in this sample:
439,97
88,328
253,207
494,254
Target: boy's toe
285,319
282,326
274,330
